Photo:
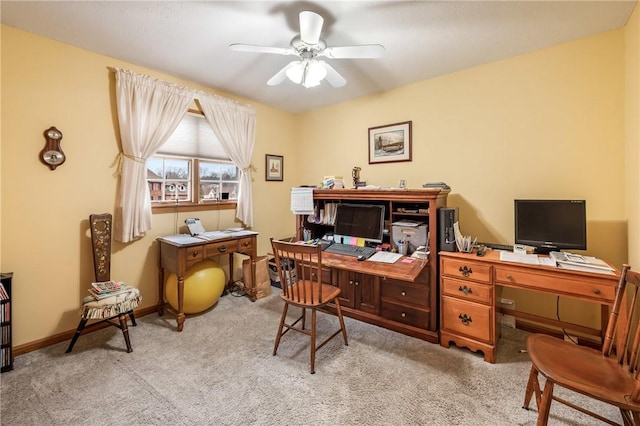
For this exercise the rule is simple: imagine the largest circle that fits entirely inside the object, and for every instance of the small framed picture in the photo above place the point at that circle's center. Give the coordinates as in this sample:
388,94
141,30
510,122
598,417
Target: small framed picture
390,143
274,167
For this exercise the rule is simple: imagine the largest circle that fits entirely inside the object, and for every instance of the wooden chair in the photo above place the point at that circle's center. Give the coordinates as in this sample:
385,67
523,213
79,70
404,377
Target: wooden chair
109,309
610,375
299,267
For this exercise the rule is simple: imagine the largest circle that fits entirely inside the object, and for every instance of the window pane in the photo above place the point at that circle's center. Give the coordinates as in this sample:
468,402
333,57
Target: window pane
217,178
155,168
209,171
169,179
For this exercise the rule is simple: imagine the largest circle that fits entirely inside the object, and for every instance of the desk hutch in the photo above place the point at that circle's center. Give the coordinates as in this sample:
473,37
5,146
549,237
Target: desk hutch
402,296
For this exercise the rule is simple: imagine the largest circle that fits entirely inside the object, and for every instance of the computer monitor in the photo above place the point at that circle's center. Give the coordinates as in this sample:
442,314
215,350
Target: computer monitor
551,225
360,220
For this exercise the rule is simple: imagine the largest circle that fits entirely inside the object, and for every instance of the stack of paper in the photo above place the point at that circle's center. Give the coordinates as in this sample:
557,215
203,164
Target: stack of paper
578,262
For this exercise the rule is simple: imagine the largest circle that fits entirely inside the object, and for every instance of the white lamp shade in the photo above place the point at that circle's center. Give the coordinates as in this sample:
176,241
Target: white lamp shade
309,73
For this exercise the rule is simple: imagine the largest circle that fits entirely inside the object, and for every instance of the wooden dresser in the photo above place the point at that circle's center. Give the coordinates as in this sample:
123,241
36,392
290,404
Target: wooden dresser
470,286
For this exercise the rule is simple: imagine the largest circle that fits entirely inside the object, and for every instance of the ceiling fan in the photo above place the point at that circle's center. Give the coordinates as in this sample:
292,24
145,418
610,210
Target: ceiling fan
308,46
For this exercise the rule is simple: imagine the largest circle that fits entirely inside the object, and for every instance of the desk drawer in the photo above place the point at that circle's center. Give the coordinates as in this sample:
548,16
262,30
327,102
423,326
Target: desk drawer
467,289
193,255
405,293
557,284
405,315
466,318
246,244
467,270
223,247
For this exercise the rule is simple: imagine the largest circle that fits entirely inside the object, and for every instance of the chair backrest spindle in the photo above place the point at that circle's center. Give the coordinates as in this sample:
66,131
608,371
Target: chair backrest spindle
299,263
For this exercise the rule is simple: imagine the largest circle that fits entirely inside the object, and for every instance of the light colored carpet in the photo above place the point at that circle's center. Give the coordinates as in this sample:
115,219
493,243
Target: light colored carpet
220,371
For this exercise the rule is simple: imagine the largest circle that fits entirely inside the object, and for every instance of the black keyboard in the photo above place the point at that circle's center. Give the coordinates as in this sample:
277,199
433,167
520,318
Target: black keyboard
348,250
495,246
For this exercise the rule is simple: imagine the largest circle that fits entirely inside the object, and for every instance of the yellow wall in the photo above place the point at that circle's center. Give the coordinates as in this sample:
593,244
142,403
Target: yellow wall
632,134
547,124
45,213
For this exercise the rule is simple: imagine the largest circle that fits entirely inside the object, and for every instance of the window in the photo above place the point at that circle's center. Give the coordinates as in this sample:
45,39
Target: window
192,170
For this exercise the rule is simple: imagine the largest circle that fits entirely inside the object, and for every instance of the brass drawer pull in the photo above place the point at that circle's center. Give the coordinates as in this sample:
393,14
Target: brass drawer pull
509,277
195,253
403,315
466,290
350,282
222,249
465,271
465,319
596,291
403,293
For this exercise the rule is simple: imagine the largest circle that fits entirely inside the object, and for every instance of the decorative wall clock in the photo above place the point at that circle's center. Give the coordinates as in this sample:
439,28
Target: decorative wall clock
52,154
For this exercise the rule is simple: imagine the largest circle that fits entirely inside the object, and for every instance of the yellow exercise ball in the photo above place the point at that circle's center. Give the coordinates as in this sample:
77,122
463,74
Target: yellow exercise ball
203,286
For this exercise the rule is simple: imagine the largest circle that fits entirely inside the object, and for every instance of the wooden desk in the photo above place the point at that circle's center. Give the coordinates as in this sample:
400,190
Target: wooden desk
177,253
470,285
398,296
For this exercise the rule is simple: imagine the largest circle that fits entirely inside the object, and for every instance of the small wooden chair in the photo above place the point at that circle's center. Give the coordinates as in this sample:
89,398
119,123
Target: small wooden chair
610,375
299,267
109,309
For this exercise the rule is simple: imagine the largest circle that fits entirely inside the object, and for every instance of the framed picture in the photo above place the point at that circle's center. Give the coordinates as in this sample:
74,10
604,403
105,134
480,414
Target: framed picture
390,143
274,167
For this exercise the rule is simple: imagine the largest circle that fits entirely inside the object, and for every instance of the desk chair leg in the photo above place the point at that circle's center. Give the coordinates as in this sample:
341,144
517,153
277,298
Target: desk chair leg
83,322
313,341
342,327
532,386
545,404
125,331
280,327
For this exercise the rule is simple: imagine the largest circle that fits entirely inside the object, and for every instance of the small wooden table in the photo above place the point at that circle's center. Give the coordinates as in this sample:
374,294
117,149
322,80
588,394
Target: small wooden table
177,253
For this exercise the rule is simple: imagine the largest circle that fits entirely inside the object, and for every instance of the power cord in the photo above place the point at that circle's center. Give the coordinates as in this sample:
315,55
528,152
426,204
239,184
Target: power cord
564,331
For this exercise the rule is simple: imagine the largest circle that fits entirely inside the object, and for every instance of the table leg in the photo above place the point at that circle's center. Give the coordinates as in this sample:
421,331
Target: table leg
180,317
160,307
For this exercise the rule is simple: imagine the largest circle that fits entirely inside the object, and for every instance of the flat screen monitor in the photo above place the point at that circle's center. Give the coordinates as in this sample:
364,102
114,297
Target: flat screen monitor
361,221
551,225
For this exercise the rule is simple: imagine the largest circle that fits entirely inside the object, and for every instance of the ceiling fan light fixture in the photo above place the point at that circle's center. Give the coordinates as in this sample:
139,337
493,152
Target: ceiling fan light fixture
314,73
308,73
295,72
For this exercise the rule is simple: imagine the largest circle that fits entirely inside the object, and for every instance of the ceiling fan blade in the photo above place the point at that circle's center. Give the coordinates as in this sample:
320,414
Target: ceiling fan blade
262,49
364,51
310,27
333,77
281,75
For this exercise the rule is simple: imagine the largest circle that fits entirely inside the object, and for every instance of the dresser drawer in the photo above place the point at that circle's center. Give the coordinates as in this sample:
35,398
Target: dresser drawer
223,247
466,318
193,255
468,290
405,293
557,284
467,270
405,315
246,244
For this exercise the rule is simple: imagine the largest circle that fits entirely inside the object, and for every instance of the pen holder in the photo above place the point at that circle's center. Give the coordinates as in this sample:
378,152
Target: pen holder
403,247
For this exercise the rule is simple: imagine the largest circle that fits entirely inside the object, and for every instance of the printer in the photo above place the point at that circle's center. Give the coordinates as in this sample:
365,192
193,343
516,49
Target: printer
413,232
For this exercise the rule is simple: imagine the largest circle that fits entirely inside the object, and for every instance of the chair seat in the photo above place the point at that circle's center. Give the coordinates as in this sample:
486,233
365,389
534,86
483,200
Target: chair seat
566,363
112,306
329,293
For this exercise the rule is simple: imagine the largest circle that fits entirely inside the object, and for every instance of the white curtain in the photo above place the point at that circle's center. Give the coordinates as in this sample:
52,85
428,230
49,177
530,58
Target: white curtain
149,110
234,125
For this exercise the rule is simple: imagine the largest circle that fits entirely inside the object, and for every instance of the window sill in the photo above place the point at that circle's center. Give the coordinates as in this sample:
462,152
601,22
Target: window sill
184,207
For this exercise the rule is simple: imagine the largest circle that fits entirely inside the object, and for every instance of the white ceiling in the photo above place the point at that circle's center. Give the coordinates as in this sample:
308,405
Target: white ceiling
423,39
